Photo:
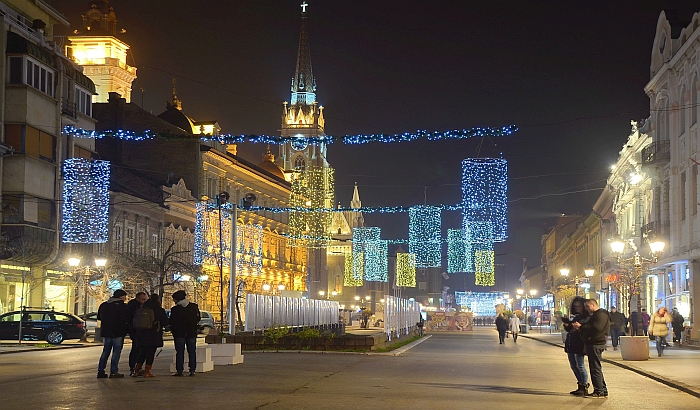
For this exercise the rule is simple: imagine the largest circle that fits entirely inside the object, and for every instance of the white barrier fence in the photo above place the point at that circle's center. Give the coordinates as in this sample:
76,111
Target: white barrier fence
400,316
262,312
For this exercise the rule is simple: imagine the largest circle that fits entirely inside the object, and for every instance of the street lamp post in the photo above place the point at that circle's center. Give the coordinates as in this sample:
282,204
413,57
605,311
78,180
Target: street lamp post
74,262
638,265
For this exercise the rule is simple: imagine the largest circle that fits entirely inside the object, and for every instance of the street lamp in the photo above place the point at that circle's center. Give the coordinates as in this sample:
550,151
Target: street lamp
74,262
321,293
636,266
266,287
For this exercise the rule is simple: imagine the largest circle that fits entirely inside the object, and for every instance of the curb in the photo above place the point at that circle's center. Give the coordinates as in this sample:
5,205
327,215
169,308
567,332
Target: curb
663,380
47,349
396,352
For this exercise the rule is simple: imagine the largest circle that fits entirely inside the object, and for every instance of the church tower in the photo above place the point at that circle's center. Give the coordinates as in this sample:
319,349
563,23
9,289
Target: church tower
102,56
302,117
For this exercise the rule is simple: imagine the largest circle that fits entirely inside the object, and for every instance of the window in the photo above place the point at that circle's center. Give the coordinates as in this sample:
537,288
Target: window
83,101
681,112
26,70
694,190
694,101
14,317
129,243
683,198
154,245
80,152
118,237
30,141
299,163
140,237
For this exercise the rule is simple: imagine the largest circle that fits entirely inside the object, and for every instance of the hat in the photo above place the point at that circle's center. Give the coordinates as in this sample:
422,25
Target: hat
675,308
119,293
179,295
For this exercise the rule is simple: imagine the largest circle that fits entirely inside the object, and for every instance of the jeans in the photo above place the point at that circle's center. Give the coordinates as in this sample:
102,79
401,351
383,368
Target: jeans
180,344
112,345
615,336
501,336
578,365
660,343
594,353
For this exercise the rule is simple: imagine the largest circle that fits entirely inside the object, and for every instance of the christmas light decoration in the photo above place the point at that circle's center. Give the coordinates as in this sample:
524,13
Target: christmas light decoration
249,241
366,240
85,201
314,188
424,235
406,270
323,139
484,189
481,303
354,269
459,252
484,268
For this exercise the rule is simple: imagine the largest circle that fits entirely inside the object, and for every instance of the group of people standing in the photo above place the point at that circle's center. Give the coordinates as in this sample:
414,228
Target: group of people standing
144,320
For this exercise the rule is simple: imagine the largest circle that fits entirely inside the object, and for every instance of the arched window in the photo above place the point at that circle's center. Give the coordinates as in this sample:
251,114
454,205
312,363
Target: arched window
694,101
299,163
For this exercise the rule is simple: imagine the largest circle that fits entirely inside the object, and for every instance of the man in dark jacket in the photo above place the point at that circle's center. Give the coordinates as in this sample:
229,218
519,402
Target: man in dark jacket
113,316
595,334
134,305
677,322
184,319
618,323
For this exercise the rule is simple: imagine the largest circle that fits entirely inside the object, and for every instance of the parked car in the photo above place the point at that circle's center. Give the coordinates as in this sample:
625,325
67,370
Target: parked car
38,324
206,321
90,322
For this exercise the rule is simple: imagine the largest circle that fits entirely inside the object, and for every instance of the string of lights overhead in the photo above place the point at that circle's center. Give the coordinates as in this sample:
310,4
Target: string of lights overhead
475,132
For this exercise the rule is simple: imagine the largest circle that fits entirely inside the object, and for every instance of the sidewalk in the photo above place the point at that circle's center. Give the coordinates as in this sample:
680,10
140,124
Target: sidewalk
678,367
7,346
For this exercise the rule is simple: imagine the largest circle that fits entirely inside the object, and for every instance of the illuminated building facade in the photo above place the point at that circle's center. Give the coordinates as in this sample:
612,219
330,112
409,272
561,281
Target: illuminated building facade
101,53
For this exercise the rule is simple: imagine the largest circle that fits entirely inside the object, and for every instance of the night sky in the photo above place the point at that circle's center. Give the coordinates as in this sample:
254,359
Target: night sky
570,77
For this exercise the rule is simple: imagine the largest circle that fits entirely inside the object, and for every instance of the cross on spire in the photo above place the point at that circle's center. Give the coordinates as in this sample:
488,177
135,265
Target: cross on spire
303,7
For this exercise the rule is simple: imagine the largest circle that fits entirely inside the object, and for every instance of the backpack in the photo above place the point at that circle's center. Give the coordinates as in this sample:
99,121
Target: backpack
144,318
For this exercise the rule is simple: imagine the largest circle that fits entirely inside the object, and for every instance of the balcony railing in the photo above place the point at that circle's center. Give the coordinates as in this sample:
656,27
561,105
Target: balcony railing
658,152
68,109
656,228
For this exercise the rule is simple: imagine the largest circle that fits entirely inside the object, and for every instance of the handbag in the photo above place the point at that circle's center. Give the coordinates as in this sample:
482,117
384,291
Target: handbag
652,337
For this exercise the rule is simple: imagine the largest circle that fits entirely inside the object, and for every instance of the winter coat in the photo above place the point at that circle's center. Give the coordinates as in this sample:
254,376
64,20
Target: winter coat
678,322
574,342
501,324
618,321
113,316
514,325
132,306
658,325
152,337
595,331
184,319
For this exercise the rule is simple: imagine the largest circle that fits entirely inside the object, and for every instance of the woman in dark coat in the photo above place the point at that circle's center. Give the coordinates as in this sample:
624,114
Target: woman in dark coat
573,345
150,340
502,327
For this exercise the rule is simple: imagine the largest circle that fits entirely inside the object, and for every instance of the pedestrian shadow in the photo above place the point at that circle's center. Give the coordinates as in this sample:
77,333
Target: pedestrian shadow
494,389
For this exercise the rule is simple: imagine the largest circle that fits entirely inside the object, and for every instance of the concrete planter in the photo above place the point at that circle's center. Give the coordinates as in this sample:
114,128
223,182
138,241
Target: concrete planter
634,347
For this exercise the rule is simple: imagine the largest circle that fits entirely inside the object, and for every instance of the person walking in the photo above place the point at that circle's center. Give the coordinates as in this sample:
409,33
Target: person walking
658,327
514,327
618,323
148,323
133,305
113,316
595,335
573,345
677,323
502,328
184,318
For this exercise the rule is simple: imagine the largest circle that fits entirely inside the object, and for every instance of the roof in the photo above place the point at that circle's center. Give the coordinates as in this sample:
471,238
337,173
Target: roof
268,164
176,117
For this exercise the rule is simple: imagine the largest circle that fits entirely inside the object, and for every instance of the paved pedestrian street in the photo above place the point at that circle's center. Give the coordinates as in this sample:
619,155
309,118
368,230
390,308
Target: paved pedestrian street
451,370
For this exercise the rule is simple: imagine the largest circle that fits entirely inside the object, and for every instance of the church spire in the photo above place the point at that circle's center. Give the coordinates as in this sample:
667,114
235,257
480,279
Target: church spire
176,101
303,83
355,203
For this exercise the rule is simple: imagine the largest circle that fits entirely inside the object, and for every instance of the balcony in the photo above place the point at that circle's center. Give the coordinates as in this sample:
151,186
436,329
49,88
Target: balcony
656,228
658,153
68,109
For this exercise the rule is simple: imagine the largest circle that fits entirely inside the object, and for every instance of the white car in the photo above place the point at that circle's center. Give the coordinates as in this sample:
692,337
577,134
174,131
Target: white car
90,322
